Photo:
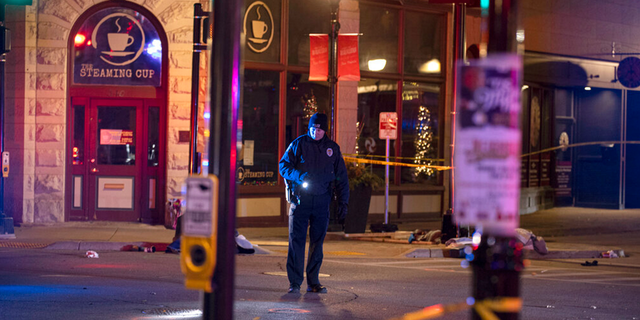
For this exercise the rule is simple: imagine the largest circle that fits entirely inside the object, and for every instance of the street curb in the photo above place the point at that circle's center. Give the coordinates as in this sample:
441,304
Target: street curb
528,254
94,245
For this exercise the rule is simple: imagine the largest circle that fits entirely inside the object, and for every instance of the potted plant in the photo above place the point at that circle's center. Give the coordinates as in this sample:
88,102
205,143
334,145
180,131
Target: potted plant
361,183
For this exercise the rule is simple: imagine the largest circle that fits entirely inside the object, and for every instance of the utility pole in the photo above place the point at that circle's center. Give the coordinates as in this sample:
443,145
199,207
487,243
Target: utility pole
498,258
333,62
225,74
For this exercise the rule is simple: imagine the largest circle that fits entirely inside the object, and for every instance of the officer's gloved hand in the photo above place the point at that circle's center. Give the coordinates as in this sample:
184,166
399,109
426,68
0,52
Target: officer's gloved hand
342,210
304,177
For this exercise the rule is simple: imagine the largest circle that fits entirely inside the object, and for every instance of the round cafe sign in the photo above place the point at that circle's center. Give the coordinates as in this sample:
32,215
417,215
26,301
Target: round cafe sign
258,26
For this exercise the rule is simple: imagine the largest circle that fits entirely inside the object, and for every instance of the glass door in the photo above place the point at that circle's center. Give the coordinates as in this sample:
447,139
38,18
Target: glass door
114,160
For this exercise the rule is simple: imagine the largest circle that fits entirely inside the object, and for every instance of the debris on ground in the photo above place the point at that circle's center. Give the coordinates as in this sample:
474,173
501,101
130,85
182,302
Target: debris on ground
531,242
610,254
433,236
91,254
131,247
590,264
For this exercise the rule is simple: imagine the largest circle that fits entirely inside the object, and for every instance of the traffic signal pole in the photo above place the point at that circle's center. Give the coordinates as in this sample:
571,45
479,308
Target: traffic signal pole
225,74
498,258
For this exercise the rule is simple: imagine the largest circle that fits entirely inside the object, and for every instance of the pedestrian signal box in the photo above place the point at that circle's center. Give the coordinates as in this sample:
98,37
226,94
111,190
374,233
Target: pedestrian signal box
199,232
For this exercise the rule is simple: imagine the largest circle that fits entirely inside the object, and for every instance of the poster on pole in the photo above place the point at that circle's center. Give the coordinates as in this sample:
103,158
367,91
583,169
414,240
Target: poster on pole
488,144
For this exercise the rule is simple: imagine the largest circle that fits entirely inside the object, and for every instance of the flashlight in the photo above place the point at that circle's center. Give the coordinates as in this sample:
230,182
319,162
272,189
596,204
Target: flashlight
304,184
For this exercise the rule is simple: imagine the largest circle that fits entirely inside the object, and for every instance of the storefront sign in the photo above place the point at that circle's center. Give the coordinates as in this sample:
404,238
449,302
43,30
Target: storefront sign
388,125
117,48
563,176
243,174
488,144
258,26
319,58
348,59
116,137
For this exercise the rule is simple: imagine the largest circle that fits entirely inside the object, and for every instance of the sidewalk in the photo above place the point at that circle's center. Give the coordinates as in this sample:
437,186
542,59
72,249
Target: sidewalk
569,233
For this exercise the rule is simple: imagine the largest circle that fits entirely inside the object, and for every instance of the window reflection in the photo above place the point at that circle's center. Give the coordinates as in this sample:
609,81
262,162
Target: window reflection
422,40
379,39
304,98
258,158
375,96
420,131
116,135
306,17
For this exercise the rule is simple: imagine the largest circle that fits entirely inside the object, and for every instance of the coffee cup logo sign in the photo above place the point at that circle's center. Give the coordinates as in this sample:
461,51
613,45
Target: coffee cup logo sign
119,42
123,49
258,26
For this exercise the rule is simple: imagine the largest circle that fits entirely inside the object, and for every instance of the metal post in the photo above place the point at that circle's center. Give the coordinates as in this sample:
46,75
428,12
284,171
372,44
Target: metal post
497,263
386,185
4,221
333,62
225,93
459,54
195,88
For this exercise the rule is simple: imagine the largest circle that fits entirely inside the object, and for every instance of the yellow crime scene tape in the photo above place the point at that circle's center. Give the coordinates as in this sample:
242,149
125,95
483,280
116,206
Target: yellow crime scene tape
359,160
486,309
350,158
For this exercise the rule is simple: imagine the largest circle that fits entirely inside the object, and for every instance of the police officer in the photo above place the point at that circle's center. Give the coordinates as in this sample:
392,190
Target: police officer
310,166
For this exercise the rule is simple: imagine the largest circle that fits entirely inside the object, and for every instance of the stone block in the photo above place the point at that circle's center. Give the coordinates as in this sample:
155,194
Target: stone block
178,161
48,184
49,132
180,85
50,81
59,9
28,184
50,107
49,211
51,31
177,11
30,132
49,158
174,186
51,56
180,59
180,111
27,210
181,35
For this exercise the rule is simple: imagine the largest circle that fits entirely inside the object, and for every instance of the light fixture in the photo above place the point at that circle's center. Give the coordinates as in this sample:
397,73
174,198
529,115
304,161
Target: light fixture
525,87
79,39
587,88
431,66
377,64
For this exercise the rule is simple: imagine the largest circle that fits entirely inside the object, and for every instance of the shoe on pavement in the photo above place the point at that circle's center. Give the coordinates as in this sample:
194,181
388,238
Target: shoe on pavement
317,288
294,288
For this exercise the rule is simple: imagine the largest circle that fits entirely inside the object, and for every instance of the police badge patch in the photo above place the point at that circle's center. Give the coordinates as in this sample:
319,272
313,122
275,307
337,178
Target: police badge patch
329,152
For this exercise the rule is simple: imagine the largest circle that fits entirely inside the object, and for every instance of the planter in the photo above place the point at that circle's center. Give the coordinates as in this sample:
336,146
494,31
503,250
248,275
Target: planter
359,200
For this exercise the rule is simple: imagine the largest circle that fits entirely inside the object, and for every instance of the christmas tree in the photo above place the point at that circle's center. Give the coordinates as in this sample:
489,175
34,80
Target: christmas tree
310,105
425,150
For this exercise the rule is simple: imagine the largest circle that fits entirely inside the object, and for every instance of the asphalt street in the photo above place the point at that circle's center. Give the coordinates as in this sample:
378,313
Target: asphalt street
61,284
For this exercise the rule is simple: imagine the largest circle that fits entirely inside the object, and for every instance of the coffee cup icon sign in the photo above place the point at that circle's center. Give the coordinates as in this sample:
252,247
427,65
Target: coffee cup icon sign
259,28
119,41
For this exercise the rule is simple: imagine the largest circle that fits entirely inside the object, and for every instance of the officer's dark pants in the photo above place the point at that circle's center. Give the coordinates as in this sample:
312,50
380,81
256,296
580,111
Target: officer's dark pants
312,212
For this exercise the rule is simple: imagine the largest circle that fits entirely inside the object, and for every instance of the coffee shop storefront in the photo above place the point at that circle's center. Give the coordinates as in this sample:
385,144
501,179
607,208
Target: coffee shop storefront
100,128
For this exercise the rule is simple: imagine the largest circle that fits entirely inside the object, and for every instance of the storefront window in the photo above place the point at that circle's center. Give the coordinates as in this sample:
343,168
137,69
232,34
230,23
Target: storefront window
262,22
420,128
306,17
379,39
375,96
258,159
78,135
304,98
422,43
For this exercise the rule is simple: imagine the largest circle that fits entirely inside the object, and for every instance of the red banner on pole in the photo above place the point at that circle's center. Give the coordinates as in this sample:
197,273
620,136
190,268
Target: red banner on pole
319,57
348,59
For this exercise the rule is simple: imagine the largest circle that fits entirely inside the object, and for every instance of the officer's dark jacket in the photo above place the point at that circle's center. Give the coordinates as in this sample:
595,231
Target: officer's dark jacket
322,162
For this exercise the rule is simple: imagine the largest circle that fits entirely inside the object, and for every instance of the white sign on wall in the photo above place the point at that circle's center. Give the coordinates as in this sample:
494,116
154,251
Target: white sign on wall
488,144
